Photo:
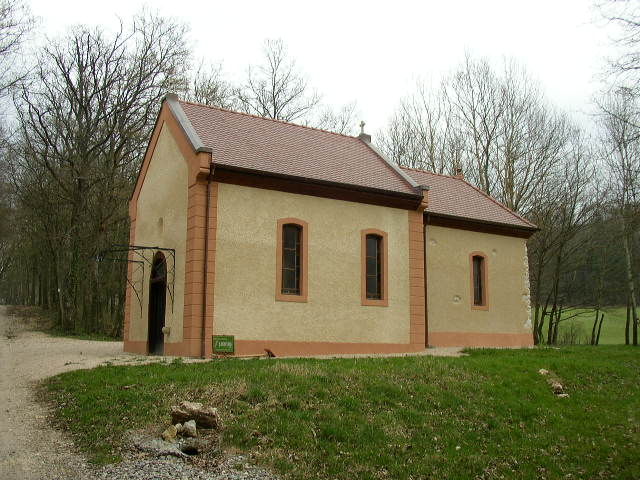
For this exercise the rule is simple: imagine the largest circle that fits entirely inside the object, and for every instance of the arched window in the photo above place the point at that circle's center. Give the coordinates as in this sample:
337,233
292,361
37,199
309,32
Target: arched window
374,273
291,260
478,261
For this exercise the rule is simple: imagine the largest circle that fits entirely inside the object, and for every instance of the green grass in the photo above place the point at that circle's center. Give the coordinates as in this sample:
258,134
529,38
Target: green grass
488,415
612,327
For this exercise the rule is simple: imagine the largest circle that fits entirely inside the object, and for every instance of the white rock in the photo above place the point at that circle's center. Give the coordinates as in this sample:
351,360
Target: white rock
189,429
205,417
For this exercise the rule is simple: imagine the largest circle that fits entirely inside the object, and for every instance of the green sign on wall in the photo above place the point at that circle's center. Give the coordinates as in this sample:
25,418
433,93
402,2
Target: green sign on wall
223,344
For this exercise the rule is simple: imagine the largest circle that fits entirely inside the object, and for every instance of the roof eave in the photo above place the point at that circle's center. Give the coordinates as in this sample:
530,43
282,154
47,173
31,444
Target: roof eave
414,197
525,231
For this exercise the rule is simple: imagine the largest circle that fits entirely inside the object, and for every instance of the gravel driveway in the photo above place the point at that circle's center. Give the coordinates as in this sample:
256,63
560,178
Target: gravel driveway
31,450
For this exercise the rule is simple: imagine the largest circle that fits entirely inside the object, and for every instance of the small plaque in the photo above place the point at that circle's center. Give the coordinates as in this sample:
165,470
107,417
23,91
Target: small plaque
224,344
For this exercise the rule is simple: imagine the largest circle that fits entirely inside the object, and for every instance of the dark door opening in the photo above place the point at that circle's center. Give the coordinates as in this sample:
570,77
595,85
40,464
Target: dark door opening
157,303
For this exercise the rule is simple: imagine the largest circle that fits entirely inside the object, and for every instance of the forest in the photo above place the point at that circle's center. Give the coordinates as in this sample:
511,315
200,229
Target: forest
75,121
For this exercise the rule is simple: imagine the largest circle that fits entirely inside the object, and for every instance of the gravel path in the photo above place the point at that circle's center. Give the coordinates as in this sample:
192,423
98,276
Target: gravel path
31,450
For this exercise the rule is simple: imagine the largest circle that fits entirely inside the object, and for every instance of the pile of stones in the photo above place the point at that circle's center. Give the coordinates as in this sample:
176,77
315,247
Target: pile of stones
194,429
188,448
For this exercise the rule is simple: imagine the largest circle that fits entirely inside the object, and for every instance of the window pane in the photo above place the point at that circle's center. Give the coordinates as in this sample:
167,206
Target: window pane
372,287
290,236
372,245
289,284
289,259
297,270
372,265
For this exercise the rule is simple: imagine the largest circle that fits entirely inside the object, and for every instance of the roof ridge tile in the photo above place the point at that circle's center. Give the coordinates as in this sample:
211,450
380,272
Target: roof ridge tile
394,167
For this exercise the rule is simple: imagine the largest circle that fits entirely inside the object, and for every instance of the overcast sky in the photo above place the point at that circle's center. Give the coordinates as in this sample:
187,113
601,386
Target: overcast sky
374,52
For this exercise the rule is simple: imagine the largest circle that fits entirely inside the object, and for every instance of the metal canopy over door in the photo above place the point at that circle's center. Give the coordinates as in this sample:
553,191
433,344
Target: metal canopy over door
157,303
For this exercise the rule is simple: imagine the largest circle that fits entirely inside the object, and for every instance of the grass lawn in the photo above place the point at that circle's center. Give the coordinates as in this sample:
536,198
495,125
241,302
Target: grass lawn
612,327
488,415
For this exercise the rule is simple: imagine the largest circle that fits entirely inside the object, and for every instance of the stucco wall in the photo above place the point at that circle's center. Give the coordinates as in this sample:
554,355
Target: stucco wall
245,304
449,285
161,220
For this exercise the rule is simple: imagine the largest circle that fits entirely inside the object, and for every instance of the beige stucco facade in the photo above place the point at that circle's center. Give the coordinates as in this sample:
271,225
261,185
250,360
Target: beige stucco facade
224,230
507,318
161,220
245,303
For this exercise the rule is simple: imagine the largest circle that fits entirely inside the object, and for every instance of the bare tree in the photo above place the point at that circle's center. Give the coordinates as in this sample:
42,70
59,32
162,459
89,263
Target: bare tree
84,122
276,89
6,210
619,120
495,126
562,208
15,24
422,133
624,16
341,121
531,140
208,86
476,96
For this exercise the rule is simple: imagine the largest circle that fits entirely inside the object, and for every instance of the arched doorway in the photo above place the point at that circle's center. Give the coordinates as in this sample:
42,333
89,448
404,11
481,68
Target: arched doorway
157,303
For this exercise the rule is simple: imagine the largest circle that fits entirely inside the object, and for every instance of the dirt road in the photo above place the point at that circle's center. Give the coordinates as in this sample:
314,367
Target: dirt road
29,448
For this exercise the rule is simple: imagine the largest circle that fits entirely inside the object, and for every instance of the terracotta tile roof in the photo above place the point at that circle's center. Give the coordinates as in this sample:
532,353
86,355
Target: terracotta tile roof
247,142
455,197
244,141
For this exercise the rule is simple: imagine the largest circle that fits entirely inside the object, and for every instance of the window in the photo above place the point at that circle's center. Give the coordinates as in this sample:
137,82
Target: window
291,238
478,281
374,268
291,260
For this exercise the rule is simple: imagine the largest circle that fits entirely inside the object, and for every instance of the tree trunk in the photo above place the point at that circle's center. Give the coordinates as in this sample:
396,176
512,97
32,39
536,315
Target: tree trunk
593,330
630,281
552,316
599,329
557,326
540,325
626,327
536,317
